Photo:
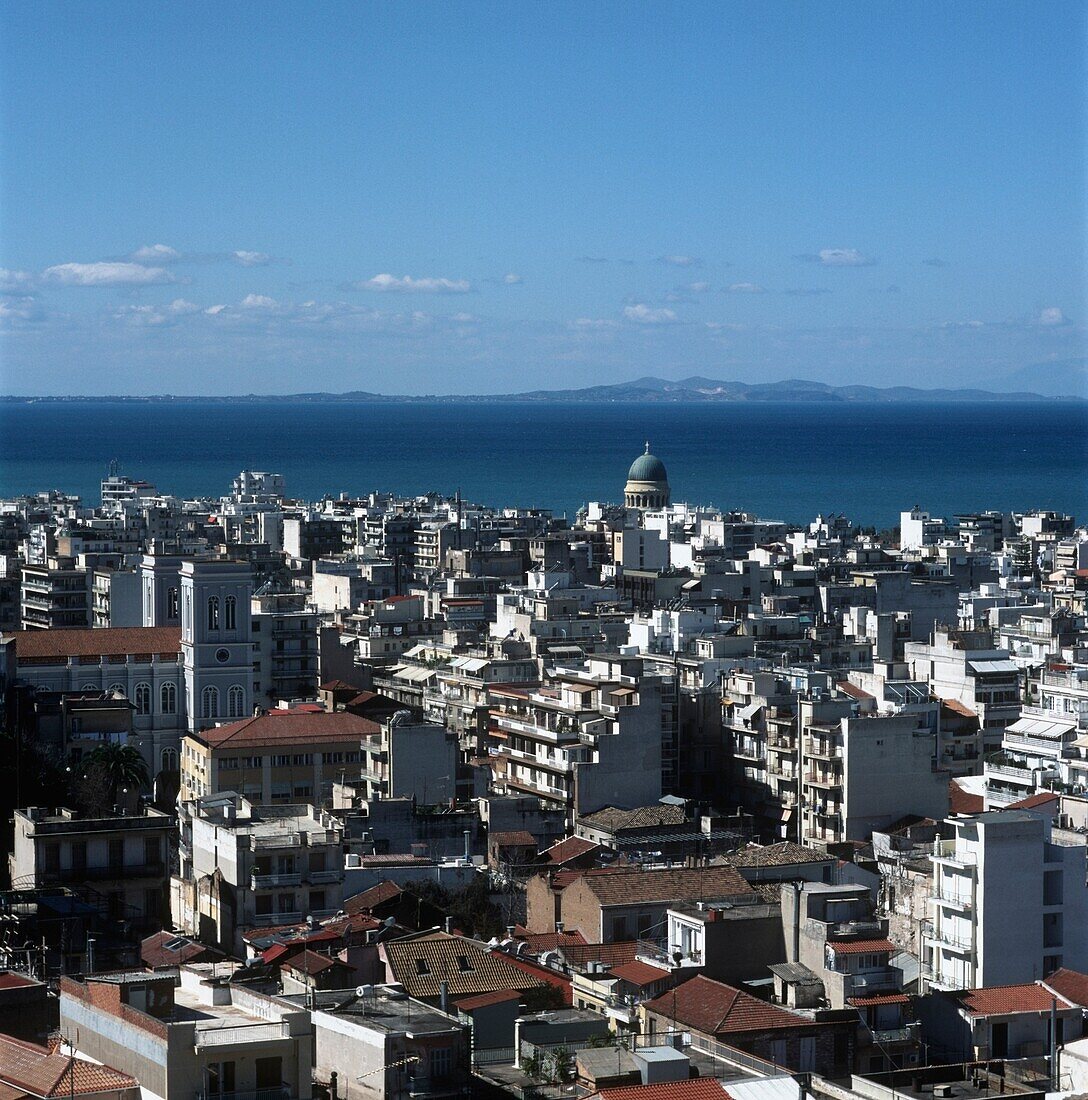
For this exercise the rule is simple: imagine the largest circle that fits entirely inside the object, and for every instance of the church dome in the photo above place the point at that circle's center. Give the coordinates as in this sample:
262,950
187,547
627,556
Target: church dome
647,467
647,483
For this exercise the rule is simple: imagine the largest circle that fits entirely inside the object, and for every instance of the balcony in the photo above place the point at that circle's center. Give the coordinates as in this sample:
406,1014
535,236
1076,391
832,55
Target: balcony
281,840
888,1036
270,920
282,1092
945,851
317,877
244,1033
887,980
268,882
955,901
830,782
823,750
854,929
955,940
116,871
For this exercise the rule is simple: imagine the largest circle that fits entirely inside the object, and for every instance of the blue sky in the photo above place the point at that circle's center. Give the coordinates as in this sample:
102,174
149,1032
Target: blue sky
217,198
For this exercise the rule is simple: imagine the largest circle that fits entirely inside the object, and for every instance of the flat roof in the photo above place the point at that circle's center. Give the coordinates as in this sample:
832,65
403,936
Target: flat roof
382,1010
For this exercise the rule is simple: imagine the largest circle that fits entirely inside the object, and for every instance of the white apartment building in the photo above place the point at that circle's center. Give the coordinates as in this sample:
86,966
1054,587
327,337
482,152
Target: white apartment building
1038,752
963,666
408,759
1008,903
583,739
243,866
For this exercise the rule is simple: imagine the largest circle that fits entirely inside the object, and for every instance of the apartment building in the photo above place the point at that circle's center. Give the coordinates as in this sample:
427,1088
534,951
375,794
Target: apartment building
121,860
191,1034
243,866
55,594
964,666
285,662
585,738
1008,902
277,757
409,759
1038,752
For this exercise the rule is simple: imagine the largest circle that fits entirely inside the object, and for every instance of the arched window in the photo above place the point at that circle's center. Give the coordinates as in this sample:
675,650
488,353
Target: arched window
143,698
236,702
209,701
117,689
168,698
169,760
90,687
171,603
231,613
213,612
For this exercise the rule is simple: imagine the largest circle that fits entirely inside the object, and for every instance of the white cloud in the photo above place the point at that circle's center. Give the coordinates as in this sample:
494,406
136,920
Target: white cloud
511,279
681,261
20,309
258,301
156,254
107,274
590,323
214,311
1051,316
406,283
696,288
14,282
745,288
250,259
464,318
646,315
839,257
181,307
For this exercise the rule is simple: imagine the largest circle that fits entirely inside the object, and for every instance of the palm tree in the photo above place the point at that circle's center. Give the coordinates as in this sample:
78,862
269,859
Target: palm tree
119,766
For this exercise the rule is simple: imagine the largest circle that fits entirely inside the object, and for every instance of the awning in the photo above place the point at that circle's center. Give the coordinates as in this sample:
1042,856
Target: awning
985,667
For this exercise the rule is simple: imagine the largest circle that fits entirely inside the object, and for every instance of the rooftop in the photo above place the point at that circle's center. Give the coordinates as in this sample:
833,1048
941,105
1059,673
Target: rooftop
380,1008
715,1008
291,728
116,641
46,1072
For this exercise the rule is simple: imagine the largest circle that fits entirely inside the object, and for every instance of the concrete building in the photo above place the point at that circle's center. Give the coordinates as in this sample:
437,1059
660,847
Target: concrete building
1008,903
55,594
243,866
375,1041
409,759
190,1034
122,859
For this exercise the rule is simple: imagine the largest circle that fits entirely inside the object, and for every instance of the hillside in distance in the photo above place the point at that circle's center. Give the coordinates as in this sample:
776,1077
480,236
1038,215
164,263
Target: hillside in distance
648,390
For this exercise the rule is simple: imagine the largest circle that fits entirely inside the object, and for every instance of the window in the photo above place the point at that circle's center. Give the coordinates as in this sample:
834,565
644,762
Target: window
116,853
269,1073
168,699
236,701
441,1061
169,760
213,612
231,613
422,967
116,689
209,702
151,850
171,603
143,698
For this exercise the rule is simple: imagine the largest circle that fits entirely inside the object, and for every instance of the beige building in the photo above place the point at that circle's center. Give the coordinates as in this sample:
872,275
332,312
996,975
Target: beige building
278,757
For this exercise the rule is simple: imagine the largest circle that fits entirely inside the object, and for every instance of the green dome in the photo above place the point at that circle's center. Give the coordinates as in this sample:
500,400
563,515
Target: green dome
647,467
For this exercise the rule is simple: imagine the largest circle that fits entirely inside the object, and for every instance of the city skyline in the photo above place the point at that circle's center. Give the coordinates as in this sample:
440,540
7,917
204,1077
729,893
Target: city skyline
492,200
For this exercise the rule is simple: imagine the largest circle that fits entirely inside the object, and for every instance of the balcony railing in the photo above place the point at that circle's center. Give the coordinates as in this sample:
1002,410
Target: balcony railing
267,882
324,876
268,920
281,840
888,1035
245,1033
282,1092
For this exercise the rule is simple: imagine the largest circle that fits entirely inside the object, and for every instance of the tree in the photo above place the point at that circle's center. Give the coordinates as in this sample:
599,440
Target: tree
116,766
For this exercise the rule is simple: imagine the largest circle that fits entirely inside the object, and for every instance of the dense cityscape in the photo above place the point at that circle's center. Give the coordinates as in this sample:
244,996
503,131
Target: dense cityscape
384,796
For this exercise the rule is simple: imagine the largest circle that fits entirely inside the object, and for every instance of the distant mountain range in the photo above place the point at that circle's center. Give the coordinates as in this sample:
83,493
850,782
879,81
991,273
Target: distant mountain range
641,391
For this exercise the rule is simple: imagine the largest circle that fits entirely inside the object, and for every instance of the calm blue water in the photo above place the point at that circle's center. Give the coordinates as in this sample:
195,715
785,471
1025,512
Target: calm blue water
783,461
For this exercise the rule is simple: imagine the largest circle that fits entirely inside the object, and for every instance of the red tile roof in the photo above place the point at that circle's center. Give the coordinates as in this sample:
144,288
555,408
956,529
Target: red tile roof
46,1074
1034,801
1070,984
545,974
638,973
611,954
154,952
668,884
548,941
566,850
957,707
310,962
114,641
715,1008
369,899
862,947
485,1000
9,979
853,690
702,1088
963,802
294,727
519,837
879,999
337,685
1003,1000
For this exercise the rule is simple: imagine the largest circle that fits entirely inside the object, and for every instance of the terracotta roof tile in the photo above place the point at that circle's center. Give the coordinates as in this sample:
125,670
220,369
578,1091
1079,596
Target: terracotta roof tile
862,947
566,850
154,951
638,973
879,999
783,854
423,961
517,837
1034,801
964,802
485,1000
548,941
310,962
376,895
46,1074
613,818
580,955
715,1008
10,979
295,727
1070,984
674,884
702,1088
114,641
1001,1000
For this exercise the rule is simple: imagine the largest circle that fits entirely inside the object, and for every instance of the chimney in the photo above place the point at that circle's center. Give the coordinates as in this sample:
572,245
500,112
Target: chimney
559,926
444,996
449,926
468,845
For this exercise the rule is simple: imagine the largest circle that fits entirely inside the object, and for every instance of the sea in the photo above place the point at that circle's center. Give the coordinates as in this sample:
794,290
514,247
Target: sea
785,461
